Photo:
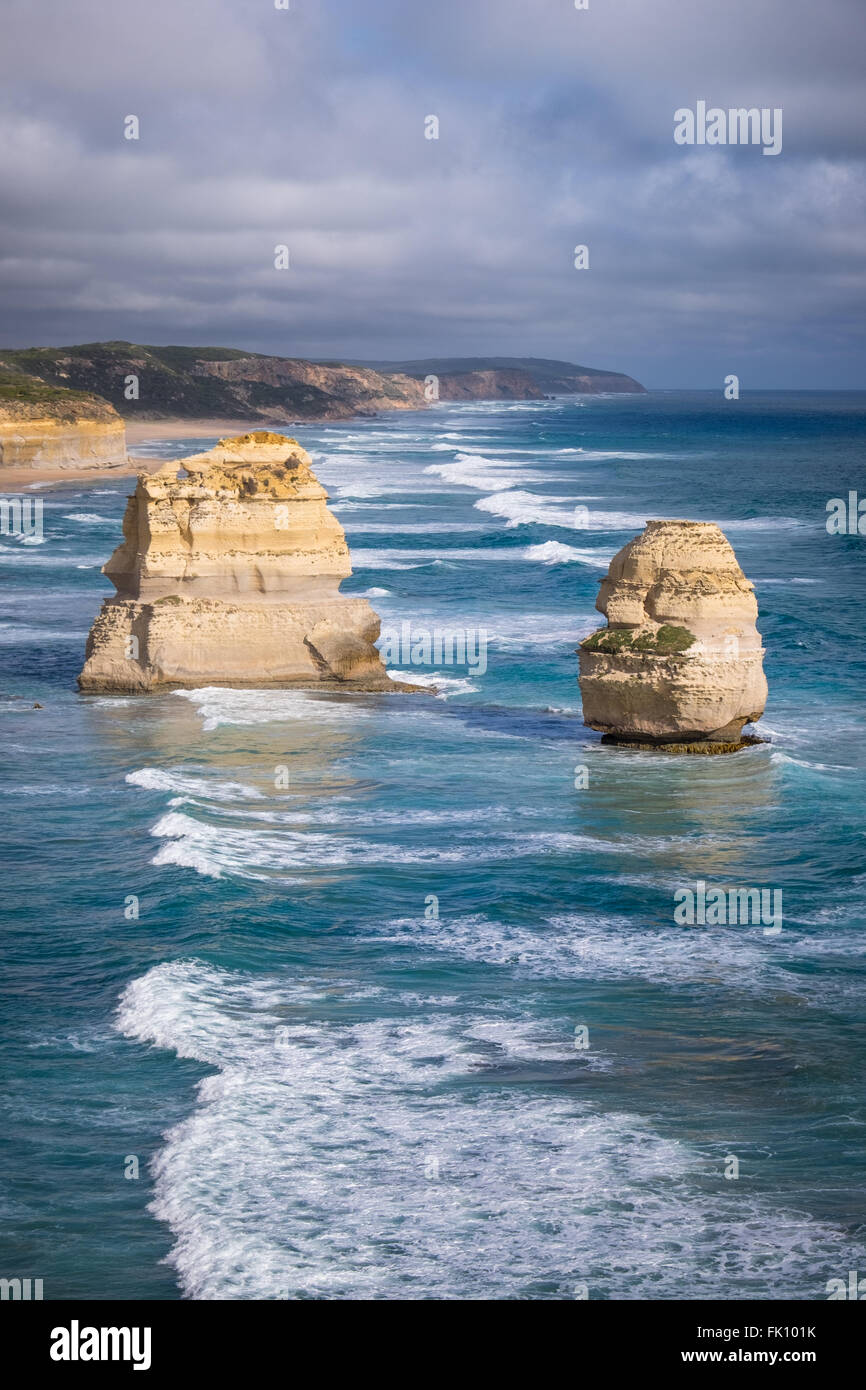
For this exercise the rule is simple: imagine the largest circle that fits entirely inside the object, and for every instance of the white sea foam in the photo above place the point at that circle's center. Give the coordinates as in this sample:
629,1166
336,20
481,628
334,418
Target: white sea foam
787,581
779,756
180,781
377,506
337,813
578,946
91,519
59,791
343,1157
556,553
553,632
12,634
612,521
408,559
290,856
386,559
433,816
413,528
272,849
445,685
527,509
484,474
599,455
364,491
509,630
16,555
517,407
173,448
220,705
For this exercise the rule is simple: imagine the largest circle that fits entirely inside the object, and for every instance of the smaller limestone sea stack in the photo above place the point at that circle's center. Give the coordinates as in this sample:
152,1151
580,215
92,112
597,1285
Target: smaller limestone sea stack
229,574
680,664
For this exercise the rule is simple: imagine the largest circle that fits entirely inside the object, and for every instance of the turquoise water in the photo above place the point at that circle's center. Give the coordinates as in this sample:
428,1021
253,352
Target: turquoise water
330,1090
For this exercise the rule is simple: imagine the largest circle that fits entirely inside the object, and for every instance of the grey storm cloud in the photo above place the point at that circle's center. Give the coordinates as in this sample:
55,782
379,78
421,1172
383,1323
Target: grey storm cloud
305,126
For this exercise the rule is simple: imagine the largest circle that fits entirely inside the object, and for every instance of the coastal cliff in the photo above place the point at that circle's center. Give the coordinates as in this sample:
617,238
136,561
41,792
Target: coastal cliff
214,383
48,427
229,573
512,378
155,383
681,660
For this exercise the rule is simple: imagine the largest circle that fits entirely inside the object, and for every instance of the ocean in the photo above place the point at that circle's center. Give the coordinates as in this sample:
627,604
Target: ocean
311,995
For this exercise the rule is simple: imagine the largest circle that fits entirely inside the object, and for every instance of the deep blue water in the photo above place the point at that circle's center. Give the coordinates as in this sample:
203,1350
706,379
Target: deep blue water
330,1091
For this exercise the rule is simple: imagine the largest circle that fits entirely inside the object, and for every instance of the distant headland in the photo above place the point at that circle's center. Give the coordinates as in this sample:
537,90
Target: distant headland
65,407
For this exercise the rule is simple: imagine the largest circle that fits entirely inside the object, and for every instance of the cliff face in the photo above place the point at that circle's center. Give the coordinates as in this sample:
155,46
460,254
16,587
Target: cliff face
228,384
45,427
681,660
218,383
518,378
229,573
341,391
509,384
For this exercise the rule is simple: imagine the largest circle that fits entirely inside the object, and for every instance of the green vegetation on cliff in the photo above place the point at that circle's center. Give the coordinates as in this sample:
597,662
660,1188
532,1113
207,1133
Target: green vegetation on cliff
669,640
547,374
22,394
167,383
208,382
232,384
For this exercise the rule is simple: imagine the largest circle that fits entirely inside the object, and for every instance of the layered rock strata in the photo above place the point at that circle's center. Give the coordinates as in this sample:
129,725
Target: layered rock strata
229,574
43,427
681,660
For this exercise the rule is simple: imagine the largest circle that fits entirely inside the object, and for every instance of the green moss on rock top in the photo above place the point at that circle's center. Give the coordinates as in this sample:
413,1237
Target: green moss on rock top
669,640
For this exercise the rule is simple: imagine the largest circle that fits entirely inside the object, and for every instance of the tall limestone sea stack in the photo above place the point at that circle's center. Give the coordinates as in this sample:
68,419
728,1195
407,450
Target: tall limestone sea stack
229,574
680,664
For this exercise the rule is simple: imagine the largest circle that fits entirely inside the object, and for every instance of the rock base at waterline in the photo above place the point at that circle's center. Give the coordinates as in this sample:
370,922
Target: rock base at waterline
701,746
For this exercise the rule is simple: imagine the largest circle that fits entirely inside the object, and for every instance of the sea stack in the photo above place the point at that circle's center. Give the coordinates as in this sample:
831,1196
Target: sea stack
680,663
229,574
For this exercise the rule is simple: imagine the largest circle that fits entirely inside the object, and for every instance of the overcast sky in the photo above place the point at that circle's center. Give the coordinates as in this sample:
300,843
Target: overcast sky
305,127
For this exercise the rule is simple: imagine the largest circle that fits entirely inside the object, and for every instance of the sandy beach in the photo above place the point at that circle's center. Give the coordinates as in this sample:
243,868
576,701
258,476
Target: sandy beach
139,430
